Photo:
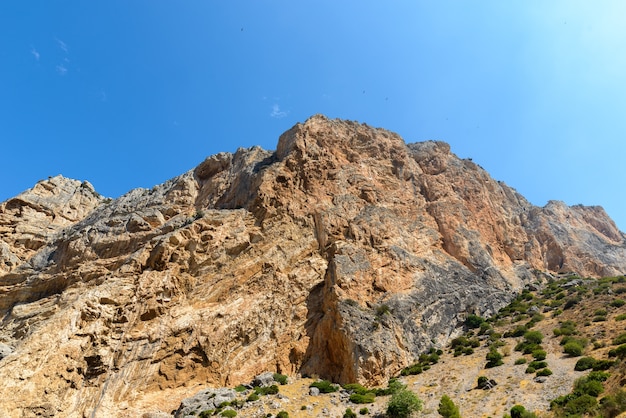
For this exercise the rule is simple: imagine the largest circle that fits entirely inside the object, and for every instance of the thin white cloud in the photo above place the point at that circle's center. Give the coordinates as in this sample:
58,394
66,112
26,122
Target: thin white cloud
61,69
62,45
35,53
277,113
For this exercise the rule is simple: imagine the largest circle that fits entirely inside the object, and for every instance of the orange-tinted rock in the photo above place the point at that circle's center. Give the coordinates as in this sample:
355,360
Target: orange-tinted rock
345,253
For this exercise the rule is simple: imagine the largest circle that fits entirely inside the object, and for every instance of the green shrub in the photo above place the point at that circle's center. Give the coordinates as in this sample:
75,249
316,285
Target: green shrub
494,358
412,370
598,376
403,403
538,364
584,363
282,414
240,388
474,321
252,397
539,354
613,404
570,303
349,413
266,390
588,387
527,347
603,365
518,411
618,303
580,405
206,413
356,388
517,332
573,348
533,337
565,328
280,378
393,386
618,352
520,360
364,411
229,413
359,398
530,370
620,339
447,408
620,317
324,386
544,372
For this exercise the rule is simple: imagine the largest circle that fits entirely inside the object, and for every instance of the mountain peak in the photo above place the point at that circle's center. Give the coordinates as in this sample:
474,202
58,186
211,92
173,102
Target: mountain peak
345,253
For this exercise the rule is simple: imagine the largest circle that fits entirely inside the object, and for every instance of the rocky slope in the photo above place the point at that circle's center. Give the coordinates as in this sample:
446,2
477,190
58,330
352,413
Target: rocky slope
285,261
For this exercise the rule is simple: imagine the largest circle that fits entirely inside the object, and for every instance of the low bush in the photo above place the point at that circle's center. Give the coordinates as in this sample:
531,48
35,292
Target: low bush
538,364
282,414
620,339
266,390
573,349
393,386
324,386
533,337
518,331
617,303
473,321
603,365
364,411
280,378
359,398
349,413
229,413
565,328
619,352
518,411
585,363
403,404
614,404
447,408
356,388
494,358
544,372
539,354
520,360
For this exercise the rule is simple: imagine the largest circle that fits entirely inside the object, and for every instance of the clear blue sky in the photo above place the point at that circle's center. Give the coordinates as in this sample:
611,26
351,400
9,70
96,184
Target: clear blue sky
128,94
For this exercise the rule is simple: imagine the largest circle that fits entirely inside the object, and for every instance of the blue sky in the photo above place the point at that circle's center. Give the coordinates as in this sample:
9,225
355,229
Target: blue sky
128,94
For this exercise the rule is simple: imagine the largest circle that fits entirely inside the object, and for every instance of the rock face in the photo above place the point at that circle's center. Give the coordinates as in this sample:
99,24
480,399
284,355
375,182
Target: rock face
345,253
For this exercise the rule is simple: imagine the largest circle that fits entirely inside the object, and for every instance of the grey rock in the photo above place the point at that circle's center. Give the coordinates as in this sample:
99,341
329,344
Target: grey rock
264,379
5,350
203,400
314,391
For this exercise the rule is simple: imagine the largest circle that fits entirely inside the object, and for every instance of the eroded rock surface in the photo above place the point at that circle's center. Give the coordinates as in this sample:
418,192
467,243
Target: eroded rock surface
345,253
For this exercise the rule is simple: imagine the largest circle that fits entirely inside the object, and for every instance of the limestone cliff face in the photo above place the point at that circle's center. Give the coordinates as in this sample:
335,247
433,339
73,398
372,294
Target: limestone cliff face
344,253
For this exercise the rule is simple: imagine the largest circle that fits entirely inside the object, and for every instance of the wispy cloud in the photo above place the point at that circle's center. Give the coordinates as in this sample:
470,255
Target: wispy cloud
277,113
62,45
35,53
61,69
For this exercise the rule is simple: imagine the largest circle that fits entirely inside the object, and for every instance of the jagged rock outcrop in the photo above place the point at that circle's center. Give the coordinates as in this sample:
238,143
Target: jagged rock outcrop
344,253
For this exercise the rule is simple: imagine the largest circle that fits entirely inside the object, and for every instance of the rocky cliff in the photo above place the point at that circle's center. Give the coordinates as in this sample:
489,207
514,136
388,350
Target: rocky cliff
345,253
